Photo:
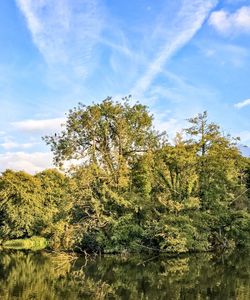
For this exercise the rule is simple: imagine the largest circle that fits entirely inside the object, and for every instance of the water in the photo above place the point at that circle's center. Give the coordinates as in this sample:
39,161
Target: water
44,276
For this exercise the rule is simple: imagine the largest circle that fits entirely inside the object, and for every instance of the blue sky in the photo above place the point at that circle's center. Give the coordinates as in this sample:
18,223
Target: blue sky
178,57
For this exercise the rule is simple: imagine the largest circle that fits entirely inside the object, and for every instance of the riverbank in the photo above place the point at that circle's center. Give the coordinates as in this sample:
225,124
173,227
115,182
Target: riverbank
34,243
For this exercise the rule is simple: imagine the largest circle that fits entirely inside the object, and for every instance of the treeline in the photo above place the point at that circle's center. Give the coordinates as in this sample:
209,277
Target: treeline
131,189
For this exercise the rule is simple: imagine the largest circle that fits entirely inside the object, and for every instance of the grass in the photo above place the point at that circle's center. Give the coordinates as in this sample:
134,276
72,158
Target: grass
33,243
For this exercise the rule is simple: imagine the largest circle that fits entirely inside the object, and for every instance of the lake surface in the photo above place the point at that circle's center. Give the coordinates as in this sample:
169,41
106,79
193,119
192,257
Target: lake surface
45,276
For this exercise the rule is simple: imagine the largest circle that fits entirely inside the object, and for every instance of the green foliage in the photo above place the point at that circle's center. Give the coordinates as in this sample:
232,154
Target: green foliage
217,162
21,203
247,179
131,189
57,207
33,243
34,205
125,235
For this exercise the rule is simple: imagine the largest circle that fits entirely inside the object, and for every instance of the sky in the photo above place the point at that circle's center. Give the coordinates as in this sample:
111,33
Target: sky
177,57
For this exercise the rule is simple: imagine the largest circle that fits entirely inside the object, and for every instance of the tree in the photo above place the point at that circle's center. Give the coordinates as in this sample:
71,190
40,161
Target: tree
35,205
217,162
21,205
176,170
109,135
57,208
109,139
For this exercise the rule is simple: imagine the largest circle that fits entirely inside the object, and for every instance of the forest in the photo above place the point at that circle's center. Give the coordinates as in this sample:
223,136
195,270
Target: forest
120,186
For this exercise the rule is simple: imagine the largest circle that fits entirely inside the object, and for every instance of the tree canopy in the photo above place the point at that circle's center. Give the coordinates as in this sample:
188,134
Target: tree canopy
132,189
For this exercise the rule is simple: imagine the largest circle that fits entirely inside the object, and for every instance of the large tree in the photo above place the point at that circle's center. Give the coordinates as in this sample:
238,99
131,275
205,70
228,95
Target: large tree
108,134
108,139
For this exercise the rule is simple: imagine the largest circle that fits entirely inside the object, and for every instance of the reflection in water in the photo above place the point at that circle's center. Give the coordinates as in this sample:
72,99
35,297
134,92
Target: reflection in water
46,276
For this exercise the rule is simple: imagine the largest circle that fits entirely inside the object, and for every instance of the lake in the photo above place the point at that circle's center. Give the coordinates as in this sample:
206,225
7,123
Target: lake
47,276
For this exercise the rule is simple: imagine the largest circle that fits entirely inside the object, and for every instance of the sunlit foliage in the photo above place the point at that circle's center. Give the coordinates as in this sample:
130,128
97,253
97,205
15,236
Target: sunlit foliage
132,189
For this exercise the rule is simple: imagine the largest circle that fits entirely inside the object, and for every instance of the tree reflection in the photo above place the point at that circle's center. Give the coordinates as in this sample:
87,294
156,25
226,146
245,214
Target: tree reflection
44,276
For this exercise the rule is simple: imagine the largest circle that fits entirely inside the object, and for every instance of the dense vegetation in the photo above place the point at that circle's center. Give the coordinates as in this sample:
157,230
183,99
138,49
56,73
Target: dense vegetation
131,189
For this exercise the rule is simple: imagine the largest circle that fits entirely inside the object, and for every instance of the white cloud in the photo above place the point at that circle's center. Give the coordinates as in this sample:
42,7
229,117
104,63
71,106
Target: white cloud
29,162
32,162
245,137
227,23
190,19
65,31
8,145
170,126
219,20
48,125
242,103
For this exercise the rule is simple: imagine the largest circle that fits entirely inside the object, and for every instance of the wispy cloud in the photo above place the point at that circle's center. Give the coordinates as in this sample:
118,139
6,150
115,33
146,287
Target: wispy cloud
230,23
242,104
75,37
39,125
65,31
224,53
189,20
